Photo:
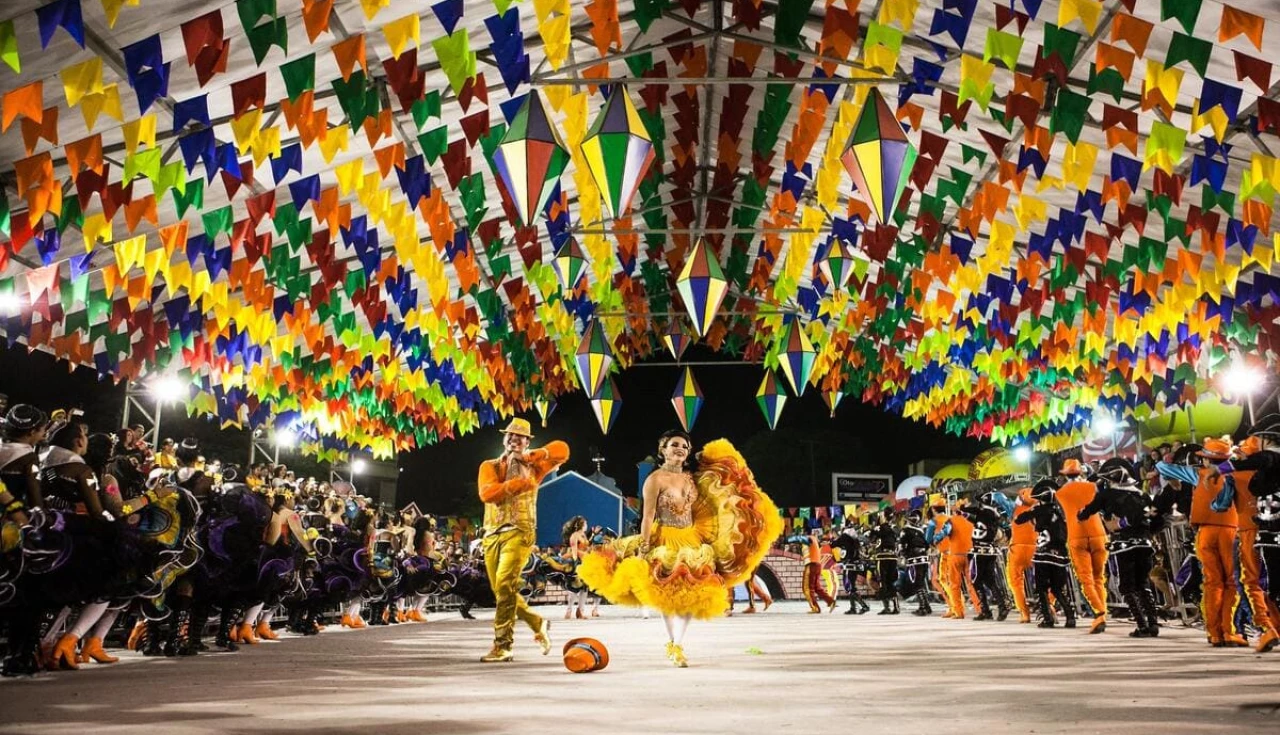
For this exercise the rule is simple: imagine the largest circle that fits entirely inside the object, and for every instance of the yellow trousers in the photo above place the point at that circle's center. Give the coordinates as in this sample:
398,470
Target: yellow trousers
505,554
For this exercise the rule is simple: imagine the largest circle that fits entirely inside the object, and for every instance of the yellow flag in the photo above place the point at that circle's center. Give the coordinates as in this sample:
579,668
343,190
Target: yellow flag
903,12
1087,11
334,140
96,228
400,32
81,79
371,7
111,8
108,102
140,132
129,253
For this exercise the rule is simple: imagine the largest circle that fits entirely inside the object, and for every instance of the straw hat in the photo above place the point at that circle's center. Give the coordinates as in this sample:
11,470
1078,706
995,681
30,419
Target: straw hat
519,427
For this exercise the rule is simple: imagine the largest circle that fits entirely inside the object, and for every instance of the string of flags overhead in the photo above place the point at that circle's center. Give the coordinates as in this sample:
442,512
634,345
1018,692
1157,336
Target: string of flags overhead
995,220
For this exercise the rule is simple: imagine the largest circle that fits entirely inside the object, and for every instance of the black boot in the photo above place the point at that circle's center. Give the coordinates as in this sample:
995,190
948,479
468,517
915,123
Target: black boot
1003,607
884,610
295,620
177,644
922,604
1147,599
1047,619
228,619
896,610
1135,609
195,638
153,636
465,611
24,648
984,610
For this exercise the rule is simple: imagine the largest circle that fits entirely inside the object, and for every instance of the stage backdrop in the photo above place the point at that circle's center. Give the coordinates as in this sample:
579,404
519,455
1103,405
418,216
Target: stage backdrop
570,494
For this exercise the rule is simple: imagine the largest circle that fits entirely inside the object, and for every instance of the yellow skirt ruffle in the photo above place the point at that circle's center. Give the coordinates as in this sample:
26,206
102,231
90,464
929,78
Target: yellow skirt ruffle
688,571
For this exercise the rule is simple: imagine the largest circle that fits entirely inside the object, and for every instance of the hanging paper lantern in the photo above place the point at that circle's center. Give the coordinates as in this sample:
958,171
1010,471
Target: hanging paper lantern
838,265
530,158
594,358
771,397
687,399
676,339
797,357
879,157
546,407
618,151
607,404
702,285
832,399
569,263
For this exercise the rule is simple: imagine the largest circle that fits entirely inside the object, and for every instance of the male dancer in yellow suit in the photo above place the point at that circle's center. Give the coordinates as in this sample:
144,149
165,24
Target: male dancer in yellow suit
509,489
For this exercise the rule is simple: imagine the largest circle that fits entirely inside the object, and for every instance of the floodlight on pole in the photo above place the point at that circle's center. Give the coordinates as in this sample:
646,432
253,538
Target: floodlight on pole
168,389
358,466
1022,454
1104,425
1244,380
286,439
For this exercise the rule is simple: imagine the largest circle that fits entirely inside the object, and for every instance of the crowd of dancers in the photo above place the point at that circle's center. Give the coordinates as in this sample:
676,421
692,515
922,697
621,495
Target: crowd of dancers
103,532
1081,524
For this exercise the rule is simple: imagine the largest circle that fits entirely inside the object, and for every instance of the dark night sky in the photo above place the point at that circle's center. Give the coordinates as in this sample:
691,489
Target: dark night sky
793,463
860,438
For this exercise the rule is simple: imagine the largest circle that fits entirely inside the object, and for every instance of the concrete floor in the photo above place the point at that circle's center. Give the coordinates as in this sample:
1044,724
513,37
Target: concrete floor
811,674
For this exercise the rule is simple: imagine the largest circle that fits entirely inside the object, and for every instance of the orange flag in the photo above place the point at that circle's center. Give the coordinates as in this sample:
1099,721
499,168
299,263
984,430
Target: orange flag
27,101
1236,22
1135,31
315,14
348,53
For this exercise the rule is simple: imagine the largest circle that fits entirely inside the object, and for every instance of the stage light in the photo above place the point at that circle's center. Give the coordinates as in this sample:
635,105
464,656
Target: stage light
1022,454
1242,379
286,439
358,466
10,303
1104,425
168,389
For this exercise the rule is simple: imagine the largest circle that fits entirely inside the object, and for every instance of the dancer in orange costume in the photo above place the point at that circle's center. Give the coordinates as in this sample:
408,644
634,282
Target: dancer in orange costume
1086,541
509,489
1255,477
953,536
814,589
1265,615
1022,549
1215,541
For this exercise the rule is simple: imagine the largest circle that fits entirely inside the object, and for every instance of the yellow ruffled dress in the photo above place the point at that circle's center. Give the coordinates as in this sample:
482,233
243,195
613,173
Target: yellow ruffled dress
688,571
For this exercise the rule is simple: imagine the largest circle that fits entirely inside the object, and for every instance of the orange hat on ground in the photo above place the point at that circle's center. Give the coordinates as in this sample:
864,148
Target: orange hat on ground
1072,467
1216,449
584,655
